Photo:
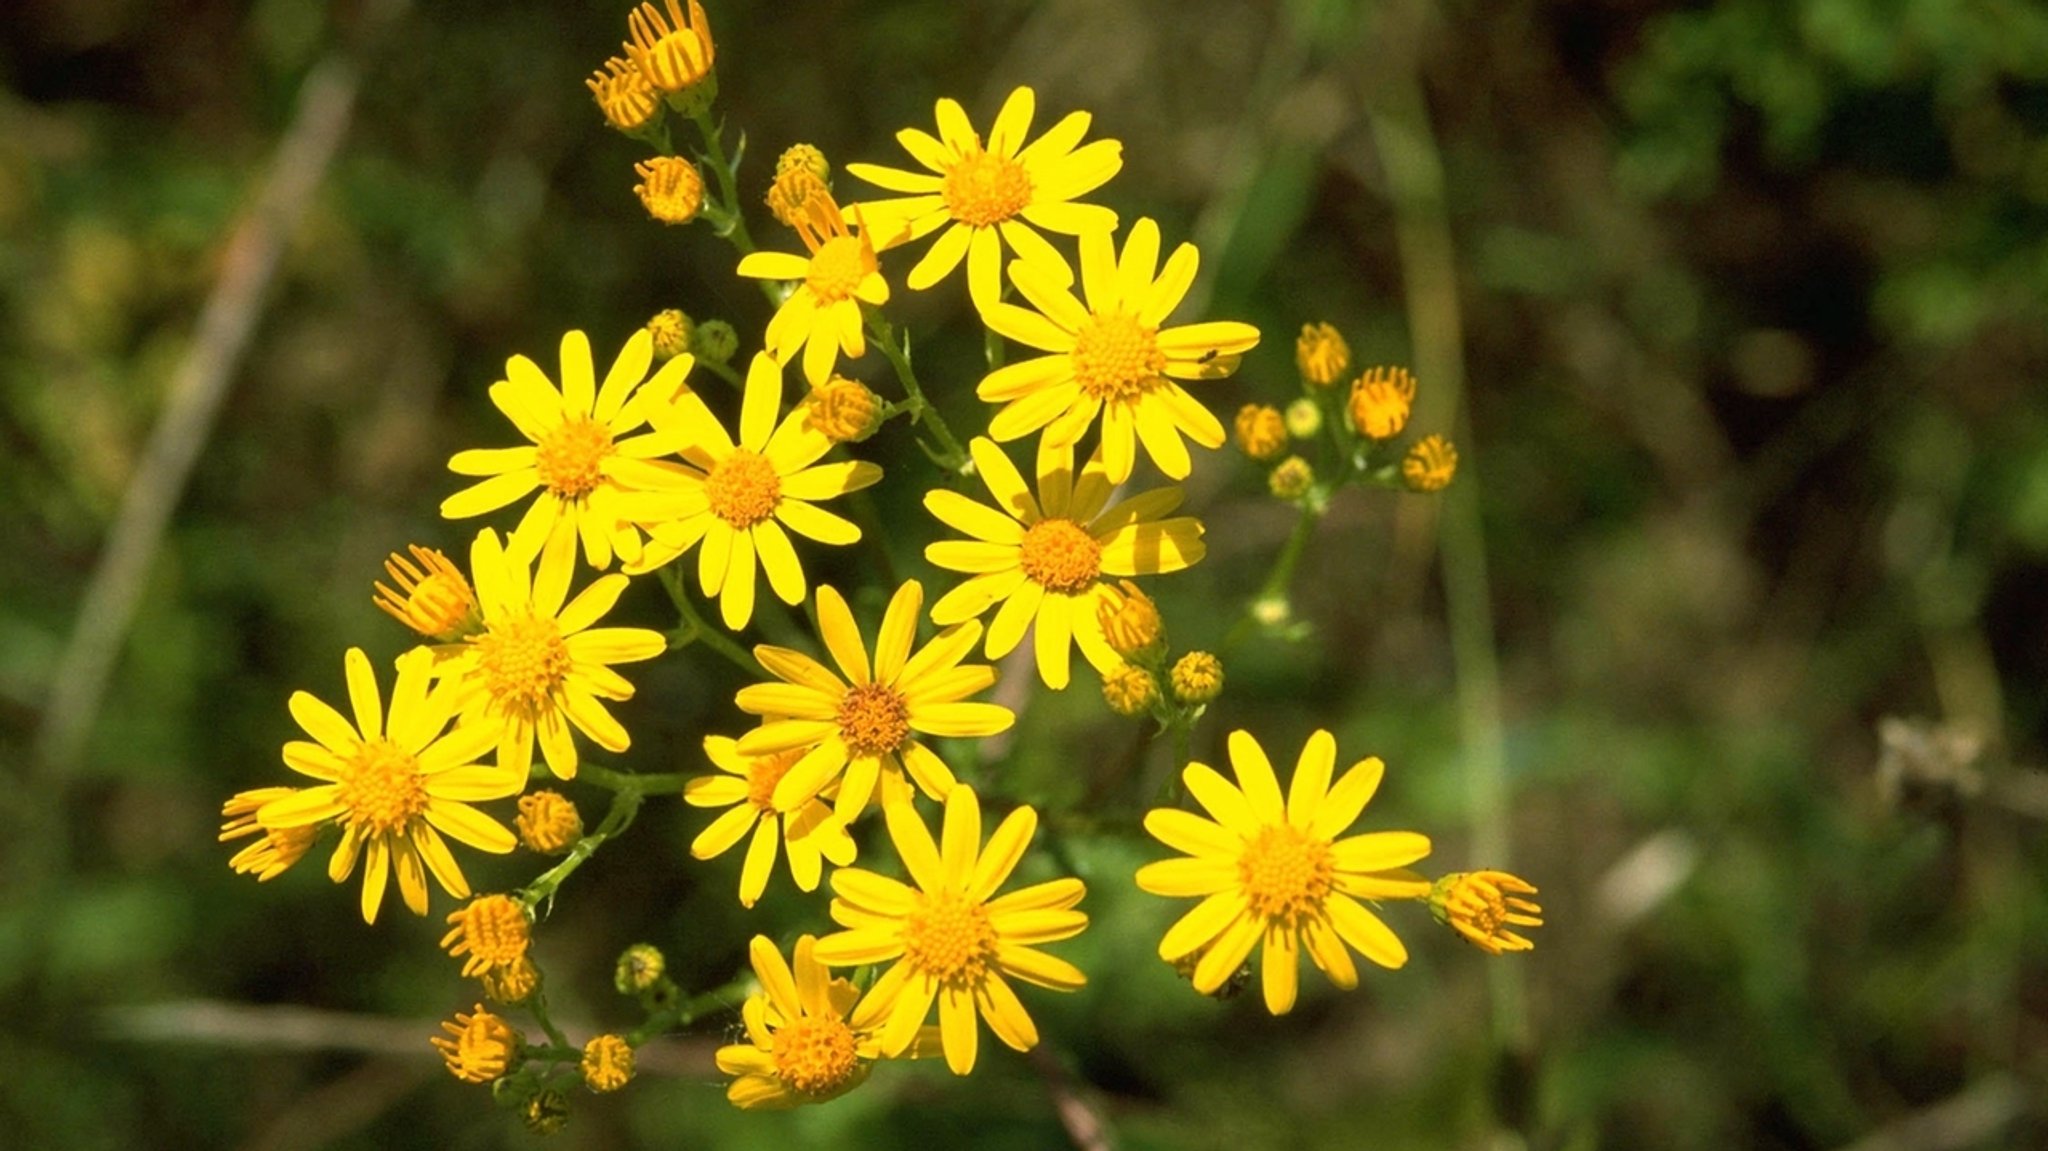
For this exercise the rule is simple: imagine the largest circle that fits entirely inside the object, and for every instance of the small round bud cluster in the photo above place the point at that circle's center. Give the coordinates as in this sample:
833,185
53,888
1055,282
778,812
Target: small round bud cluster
1380,402
1259,432
715,340
1429,465
628,101
1321,354
801,174
607,1063
672,330
492,930
1197,678
479,1046
844,410
548,822
640,967
1130,622
511,984
1130,690
671,189
1304,418
1291,478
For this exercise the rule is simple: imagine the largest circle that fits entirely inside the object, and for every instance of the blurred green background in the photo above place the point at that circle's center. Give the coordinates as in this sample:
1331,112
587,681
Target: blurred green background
1750,605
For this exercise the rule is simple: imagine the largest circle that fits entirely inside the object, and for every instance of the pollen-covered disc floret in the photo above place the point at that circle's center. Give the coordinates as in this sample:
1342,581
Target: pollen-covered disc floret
1048,559
1111,357
1279,873
800,1046
523,662
874,719
743,489
746,786
954,941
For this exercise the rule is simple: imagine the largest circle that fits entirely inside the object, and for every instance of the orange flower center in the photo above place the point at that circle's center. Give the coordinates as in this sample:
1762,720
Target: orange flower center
874,719
1287,875
764,773
1478,905
524,661
569,457
382,789
744,489
950,939
815,1054
1059,555
1116,357
838,267
984,188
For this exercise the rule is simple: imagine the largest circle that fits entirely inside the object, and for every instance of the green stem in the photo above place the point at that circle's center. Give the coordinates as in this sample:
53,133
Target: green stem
728,183
1281,577
696,629
949,454
625,806
688,1011
537,1006
722,371
621,780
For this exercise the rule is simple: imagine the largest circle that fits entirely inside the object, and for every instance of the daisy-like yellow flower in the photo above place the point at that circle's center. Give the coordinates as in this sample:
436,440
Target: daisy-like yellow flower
952,938
822,316
811,832
539,667
800,1048
1003,189
735,498
1111,357
276,849
866,724
1275,872
1045,559
395,788
581,435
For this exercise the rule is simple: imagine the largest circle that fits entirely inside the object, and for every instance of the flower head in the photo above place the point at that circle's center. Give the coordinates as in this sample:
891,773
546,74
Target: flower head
844,410
1047,560
275,849
1291,478
822,316
1004,189
1259,431
952,938
581,444
548,822
493,930
1380,402
800,173
1321,354
1130,622
395,788
1111,358
479,1047
1197,677
512,983
1130,690
865,720
607,1063
672,331
799,1047
1484,906
670,188
539,667
640,969
810,831
1274,870
432,597
675,54
1430,464
623,94
736,497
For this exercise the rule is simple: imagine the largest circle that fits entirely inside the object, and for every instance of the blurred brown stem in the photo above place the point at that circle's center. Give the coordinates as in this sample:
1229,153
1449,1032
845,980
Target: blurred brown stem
1084,1124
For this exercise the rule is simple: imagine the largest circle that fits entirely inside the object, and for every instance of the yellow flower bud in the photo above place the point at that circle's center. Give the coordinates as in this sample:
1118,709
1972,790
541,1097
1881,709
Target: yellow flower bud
1130,621
623,94
607,1063
1130,690
1429,465
804,156
1482,905
546,1112
1321,354
279,847
715,340
432,599
1259,431
1197,677
671,329
1291,478
1380,402
801,175
493,930
640,967
676,55
671,189
482,1048
548,822
1304,418
512,983
844,410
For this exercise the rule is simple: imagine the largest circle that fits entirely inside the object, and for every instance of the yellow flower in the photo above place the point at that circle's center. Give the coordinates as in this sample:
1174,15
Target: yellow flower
1380,402
810,831
432,597
493,930
1259,431
548,822
1197,677
800,173
822,316
539,667
1045,559
1130,622
1291,478
844,410
482,1048
1130,690
1111,357
1430,464
867,723
951,941
1275,871
671,189
512,983
1483,905
279,847
736,498
395,788
580,444
1321,354
677,54
607,1063
1003,189
623,95
800,1048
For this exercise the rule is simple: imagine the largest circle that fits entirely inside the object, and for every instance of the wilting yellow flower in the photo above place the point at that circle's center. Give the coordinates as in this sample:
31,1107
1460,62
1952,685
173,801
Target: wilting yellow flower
539,667
1259,431
432,597
1003,189
395,788
822,316
1111,357
800,173
1380,402
844,410
735,498
623,94
1482,906
1197,677
1274,870
607,1063
670,188
811,832
548,822
482,1048
580,444
1130,621
1291,478
1045,559
867,723
493,930
276,849
800,1048
1321,354
677,54
951,938
1130,690
1430,464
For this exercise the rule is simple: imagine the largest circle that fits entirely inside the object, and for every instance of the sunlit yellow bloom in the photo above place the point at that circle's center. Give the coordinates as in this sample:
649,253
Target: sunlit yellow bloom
1275,872
1130,690
1259,431
822,316
1003,189
811,832
670,188
1111,357
736,498
800,1048
580,440
1045,559
1430,464
276,849
867,724
539,666
481,1047
1482,906
951,937
432,597
1197,677
607,1063
1380,402
623,94
1321,354
395,788
493,930
677,54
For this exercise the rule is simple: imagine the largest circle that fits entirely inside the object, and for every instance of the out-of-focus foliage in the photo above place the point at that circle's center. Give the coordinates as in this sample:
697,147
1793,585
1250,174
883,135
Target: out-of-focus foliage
1755,310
